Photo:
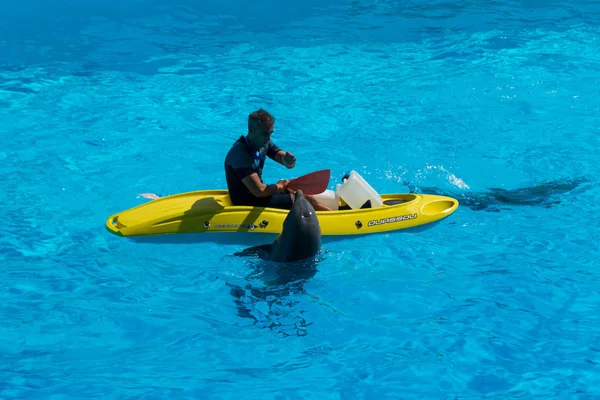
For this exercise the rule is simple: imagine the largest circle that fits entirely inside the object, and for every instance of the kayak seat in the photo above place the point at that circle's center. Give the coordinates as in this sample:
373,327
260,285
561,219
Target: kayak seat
393,202
390,202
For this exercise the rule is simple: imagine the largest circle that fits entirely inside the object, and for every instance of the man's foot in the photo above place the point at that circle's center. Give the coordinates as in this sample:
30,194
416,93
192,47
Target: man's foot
321,207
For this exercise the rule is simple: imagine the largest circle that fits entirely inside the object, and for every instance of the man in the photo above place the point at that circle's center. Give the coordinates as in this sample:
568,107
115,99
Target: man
244,165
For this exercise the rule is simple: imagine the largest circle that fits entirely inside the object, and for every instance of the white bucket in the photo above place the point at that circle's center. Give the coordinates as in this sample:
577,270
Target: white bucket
355,191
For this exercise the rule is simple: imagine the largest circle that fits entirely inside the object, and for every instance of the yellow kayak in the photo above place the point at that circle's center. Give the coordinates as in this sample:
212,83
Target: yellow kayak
211,211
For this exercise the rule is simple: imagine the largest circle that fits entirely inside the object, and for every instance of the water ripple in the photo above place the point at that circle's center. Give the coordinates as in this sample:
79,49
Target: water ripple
104,103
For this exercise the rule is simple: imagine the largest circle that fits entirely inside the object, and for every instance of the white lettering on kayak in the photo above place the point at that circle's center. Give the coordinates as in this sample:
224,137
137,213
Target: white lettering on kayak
234,226
392,219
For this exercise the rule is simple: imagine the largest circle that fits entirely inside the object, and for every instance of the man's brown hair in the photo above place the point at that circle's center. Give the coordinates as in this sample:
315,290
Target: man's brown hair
261,118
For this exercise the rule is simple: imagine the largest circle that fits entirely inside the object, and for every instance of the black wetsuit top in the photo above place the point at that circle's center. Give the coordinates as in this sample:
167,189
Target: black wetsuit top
241,162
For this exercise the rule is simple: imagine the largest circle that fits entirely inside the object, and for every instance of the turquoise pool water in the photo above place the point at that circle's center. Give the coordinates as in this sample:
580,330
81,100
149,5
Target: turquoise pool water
101,103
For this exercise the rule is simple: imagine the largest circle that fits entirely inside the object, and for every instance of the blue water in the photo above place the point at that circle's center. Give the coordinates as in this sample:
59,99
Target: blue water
101,102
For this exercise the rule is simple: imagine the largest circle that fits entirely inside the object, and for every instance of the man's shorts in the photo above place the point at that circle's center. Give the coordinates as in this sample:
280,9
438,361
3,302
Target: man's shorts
278,200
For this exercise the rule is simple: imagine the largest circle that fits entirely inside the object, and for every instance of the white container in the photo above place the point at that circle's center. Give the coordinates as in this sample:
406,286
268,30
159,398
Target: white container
329,198
355,191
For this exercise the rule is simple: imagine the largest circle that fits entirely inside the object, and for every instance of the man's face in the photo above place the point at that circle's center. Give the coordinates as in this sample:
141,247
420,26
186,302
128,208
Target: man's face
260,135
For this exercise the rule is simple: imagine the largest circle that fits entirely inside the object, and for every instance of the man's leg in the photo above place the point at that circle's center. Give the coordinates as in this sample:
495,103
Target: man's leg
314,202
316,205
283,201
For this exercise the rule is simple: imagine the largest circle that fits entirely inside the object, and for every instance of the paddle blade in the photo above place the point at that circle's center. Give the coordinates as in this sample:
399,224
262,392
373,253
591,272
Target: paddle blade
313,183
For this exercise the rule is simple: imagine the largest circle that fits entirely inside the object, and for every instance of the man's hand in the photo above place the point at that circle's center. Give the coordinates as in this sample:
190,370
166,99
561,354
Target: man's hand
289,160
282,185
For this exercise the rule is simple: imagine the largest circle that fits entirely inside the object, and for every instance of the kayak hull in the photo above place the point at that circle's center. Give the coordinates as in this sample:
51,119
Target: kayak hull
210,211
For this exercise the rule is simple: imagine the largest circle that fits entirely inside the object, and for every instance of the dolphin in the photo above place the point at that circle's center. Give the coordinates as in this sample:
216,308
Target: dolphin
285,266
300,238
544,194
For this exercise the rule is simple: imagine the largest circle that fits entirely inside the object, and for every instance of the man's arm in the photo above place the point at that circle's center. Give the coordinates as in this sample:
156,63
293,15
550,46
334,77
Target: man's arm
279,157
286,158
259,189
243,165
282,157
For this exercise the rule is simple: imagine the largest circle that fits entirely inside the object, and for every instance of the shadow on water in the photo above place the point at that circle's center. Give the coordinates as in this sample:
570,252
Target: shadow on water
545,194
256,239
221,238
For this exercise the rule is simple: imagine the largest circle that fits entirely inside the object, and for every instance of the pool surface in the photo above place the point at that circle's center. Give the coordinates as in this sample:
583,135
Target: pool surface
494,104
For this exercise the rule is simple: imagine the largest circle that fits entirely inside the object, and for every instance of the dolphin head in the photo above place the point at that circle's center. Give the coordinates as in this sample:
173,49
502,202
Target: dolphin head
301,234
302,218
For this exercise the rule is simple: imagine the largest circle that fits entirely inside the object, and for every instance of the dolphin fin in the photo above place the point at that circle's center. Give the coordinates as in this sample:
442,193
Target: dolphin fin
260,251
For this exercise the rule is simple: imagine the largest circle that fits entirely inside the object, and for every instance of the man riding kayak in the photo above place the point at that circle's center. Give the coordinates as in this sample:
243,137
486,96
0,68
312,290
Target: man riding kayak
244,165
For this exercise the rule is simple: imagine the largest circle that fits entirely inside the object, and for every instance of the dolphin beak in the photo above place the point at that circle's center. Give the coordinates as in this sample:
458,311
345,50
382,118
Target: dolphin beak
299,196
